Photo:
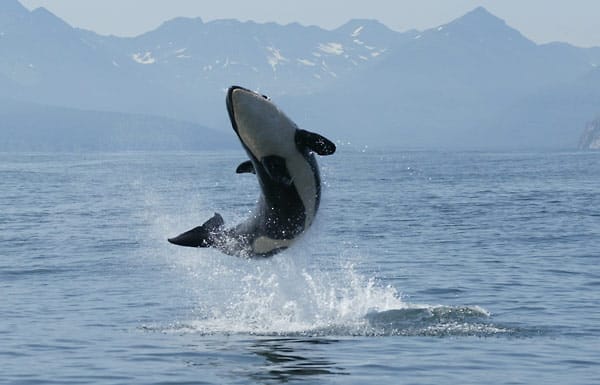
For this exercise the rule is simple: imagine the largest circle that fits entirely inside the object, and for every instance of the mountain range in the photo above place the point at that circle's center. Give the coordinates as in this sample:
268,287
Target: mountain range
472,83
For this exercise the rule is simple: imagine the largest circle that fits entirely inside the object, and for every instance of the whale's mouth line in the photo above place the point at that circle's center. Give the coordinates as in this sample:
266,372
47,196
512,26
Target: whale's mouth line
232,118
230,109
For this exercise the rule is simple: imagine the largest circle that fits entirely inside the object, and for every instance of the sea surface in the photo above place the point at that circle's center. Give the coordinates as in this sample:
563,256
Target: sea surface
421,268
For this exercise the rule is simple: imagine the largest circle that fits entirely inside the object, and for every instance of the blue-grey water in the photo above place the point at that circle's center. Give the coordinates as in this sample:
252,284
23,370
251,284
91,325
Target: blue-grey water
422,268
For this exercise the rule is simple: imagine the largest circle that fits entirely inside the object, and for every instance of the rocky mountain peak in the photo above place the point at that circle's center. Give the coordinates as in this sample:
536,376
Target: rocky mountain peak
479,24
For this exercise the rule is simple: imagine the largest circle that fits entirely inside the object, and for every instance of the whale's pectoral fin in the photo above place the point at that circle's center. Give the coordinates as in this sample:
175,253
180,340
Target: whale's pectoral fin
245,167
201,236
314,142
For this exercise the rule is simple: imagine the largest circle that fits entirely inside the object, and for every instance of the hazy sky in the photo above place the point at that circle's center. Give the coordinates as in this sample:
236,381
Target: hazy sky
573,21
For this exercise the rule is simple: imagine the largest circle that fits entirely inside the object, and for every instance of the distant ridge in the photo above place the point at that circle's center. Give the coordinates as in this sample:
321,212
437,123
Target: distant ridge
33,128
474,82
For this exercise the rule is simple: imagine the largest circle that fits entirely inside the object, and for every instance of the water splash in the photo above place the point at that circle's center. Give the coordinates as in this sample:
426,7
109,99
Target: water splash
280,297
309,290
290,296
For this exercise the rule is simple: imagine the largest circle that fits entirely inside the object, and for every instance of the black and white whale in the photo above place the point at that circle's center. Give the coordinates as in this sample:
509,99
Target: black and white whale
282,158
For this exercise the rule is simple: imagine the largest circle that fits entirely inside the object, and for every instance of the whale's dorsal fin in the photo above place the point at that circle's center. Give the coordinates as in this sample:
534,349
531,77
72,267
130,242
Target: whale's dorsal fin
214,223
245,167
314,142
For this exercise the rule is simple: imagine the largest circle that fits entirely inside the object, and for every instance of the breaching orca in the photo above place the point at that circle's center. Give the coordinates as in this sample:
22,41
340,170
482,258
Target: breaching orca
281,157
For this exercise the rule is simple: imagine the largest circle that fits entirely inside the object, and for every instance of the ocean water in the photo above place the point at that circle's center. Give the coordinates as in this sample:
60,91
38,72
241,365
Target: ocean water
422,268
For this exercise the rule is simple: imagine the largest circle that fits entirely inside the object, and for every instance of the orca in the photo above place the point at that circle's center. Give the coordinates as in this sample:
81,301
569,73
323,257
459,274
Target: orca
281,155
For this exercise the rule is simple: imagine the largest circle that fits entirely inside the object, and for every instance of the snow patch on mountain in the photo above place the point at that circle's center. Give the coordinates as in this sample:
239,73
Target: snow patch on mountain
275,58
181,53
306,62
357,31
145,58
331,48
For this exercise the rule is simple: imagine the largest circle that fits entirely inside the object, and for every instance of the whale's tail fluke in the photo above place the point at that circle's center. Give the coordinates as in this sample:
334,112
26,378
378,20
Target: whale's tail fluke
201,236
